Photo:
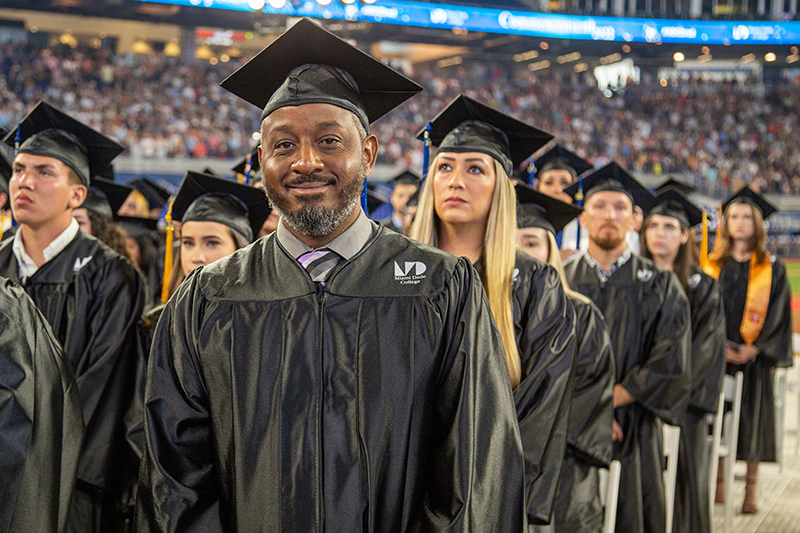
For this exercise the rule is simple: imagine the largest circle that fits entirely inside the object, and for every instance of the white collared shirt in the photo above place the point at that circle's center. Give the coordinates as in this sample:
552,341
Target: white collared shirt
27,267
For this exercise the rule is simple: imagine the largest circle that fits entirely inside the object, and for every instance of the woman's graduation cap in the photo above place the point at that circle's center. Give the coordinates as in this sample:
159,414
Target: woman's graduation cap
467,125
671,202
156,195
748,196
685,188
614,178
136,227
537,210
205,198
49,132
559,158
105,197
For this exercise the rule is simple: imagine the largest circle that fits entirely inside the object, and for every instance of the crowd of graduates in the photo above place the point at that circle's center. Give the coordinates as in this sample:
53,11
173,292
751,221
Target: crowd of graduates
274,360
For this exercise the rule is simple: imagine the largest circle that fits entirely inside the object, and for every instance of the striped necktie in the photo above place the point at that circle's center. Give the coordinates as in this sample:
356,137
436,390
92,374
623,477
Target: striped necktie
319,263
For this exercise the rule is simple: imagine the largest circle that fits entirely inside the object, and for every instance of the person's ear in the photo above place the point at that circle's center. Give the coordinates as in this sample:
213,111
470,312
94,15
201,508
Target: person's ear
77,196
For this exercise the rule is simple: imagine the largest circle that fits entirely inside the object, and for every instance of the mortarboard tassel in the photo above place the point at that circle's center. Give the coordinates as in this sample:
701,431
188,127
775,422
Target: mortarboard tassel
17,140
167,256
531,169
2,225
247,168
704,241
364,198
579,201
426,141
718,232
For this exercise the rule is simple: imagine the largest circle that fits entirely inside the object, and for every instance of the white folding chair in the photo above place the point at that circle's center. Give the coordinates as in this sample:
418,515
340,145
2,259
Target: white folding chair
716,437
732,389
672,439
609,494
780,413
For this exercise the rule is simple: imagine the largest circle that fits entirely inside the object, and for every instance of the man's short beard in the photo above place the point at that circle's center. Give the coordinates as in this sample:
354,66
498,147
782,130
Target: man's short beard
316,221
609,243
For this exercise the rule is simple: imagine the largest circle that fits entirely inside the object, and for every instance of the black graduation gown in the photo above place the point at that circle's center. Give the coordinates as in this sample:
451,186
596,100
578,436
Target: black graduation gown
647,315
378,402
544,323
41,428
92,297
707,370
757,433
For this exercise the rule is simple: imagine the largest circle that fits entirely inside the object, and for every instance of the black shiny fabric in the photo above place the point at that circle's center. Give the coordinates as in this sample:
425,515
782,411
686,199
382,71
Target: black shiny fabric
589,446
92,298
545,328
757,433
648,320
708,371
369,404
41,428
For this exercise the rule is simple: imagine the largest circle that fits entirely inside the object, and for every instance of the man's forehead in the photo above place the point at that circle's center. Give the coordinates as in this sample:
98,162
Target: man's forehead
610,196
324,116
23,159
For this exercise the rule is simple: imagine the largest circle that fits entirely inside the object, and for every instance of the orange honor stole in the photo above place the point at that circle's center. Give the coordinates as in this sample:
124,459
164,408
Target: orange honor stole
759,285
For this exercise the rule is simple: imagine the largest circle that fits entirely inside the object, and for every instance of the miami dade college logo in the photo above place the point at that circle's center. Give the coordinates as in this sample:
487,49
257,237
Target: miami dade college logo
413,273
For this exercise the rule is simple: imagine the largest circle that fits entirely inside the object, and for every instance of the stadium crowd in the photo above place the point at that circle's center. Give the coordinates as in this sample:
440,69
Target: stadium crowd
160,106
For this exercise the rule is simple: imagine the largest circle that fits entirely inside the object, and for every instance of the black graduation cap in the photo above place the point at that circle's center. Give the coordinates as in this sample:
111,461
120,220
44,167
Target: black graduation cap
155,194
685,188
406,178
137,227
537,210
48,131
613,177
671,202
105,197
375,197
207,198
559,158
467,125
209,171
746,195
308,64
255,166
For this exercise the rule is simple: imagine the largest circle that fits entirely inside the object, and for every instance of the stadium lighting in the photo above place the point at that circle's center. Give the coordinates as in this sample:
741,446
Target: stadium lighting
770,57
544,45
678,57
348,2
704,58
793,58
525,56
581,67
539,65
324,2
749,58
256,5
568,58
277,4
368,1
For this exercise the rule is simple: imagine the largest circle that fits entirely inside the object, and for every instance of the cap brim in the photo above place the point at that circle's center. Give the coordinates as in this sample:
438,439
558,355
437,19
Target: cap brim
612,172
195,185
572,159
554,211
671,199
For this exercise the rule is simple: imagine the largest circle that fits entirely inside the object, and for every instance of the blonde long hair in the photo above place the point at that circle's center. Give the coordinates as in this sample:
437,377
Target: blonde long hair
554,259
499,251
758,244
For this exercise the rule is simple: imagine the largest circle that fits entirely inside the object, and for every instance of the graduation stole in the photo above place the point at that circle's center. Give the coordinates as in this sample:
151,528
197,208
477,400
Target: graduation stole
757,301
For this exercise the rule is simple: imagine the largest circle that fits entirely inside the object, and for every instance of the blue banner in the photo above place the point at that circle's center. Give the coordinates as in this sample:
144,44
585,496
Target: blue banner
530,23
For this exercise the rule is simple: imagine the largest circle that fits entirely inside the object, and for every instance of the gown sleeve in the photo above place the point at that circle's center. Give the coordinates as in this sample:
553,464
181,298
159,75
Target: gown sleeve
476,478
177,480
593,398
775,340
708,346
661,382
114,314
41,428
544,395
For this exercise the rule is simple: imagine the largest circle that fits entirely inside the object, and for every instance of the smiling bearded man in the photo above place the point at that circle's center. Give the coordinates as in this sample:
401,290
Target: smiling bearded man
334,375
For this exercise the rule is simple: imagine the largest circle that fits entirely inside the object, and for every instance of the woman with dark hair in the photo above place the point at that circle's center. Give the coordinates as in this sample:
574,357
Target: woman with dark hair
668,239
467,207
758,312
